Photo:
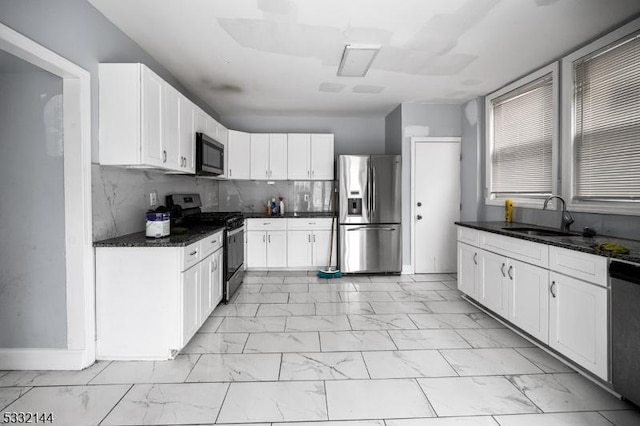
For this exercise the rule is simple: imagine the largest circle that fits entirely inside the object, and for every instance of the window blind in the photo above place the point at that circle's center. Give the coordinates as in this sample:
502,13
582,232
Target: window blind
522,145
607,123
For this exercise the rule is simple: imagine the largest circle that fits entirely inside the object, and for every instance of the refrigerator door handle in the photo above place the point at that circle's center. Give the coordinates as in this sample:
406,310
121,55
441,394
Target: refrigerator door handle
368,228
373,192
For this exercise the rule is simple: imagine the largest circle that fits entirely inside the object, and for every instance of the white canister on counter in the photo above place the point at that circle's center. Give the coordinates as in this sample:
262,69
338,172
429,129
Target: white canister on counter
158,224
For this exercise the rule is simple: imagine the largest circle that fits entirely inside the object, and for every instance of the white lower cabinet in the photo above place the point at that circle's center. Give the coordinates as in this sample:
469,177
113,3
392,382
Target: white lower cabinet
211,284
566,313
266,249
310,249
578,322
493,282
528,293
150,301
468,275
190,284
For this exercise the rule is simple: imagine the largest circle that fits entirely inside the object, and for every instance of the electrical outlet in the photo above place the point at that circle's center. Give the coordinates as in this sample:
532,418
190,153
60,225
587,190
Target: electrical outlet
153,198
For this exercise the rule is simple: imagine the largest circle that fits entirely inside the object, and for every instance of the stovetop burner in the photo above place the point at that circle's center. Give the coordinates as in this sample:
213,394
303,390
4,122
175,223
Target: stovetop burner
190,212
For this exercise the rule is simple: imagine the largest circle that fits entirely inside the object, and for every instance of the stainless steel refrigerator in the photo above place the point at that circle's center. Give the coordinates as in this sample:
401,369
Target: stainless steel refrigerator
370,234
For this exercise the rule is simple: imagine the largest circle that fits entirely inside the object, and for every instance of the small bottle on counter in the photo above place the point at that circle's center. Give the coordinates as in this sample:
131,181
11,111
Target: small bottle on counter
508,210
274,207
281,206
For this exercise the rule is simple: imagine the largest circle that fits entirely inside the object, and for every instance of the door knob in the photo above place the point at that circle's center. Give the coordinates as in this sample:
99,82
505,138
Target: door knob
419,217
419,204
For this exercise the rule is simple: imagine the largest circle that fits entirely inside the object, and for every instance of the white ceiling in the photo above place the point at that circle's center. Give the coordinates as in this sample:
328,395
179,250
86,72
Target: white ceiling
281,56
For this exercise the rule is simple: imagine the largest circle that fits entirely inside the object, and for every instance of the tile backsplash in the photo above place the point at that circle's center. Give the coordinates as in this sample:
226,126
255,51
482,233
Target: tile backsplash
252,196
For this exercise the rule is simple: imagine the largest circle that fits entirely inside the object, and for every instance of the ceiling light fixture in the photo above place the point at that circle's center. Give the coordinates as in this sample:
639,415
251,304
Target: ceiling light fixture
356,59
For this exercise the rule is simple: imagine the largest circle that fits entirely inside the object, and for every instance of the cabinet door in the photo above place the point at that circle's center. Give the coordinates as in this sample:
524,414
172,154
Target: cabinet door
199,120
190,303
493,272
256,249
468,270
238,153
322,158
529,298
299,249
298,156
276,249
151,116
218,278
259,156
278,156
321,241
206,286
187,136
171,135
578,322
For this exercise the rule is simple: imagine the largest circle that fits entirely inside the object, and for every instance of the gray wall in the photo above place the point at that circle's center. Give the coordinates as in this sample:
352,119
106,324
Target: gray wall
417,119
32,238
353,135
471,169
393,131
77,31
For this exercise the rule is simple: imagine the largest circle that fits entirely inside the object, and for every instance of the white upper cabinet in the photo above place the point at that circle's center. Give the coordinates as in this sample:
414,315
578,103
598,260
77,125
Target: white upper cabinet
259,156
299,156
144,121
311,156
322,158
268,156
237,155
278,156
187,136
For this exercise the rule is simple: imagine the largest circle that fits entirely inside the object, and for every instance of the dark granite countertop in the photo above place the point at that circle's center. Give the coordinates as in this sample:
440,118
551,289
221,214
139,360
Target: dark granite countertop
293,215
572,242
138,239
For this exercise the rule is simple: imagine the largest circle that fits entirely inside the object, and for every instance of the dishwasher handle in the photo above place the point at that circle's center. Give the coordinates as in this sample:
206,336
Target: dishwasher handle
625,272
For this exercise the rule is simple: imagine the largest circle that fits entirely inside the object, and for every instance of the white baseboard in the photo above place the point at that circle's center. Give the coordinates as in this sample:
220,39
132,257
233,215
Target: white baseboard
407,269
44,359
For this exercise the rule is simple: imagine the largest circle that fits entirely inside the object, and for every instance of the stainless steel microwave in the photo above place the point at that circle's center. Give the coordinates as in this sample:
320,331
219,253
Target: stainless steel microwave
209,156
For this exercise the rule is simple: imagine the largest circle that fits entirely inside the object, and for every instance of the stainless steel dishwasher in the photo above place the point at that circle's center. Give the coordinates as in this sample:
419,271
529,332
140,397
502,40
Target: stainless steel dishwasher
625,329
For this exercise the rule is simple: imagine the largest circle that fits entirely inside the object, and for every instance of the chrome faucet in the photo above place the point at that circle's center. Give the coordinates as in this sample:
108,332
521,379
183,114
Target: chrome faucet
567,219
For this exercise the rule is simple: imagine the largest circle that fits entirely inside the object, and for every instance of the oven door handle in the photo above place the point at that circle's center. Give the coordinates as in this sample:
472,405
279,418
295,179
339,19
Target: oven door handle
235,231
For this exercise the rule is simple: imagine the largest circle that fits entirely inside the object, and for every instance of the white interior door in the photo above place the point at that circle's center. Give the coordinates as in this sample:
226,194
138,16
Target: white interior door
436,199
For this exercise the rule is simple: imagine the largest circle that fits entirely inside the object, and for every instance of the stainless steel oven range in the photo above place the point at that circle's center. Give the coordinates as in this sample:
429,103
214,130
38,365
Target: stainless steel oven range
186,211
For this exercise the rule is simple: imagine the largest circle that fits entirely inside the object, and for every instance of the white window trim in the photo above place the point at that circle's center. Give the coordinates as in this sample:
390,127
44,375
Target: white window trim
568,122
533,203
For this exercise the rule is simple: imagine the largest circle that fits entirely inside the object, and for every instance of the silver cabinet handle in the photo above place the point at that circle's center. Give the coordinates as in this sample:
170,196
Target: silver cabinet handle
475,258
193,253
266,223
553,284
509,272
164,156
214,241
309,237
230,173
214,266
502,270
269,238
308,173
264,239
266,173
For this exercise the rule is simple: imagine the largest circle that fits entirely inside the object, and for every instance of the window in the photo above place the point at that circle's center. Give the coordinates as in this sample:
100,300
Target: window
607,123
521,135
602,93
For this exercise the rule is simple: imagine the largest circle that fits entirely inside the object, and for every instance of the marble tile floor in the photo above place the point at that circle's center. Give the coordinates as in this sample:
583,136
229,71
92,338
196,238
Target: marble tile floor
291,349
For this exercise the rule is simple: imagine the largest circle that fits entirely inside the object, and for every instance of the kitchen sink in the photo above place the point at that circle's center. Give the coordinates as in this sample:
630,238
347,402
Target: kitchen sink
540,232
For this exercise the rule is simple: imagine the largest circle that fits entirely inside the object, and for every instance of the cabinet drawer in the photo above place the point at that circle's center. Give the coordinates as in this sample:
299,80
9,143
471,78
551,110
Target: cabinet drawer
468,235
211,243
322,223
276,224
191,255
526,251
585,266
